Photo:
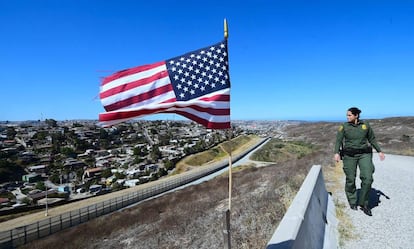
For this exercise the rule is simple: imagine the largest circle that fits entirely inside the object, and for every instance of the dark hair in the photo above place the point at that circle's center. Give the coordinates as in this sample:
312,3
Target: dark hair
355,111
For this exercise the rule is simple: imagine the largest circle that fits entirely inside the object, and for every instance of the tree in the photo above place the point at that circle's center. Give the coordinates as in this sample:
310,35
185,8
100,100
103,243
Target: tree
165,139
138,160
140,151
106,173
57,140
154,177
116,186
162,172
90,160
119,175
168,164
41,135
51,122
10,133
41,186
69,152
82,145
200,145
10,171
55,178
155,153
27,201
103,134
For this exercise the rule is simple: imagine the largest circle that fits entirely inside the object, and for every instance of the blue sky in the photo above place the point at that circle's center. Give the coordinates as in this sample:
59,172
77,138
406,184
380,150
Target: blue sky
308,60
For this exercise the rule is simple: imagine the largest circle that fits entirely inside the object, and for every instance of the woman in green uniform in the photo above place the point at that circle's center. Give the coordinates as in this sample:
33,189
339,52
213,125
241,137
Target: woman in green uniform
354,142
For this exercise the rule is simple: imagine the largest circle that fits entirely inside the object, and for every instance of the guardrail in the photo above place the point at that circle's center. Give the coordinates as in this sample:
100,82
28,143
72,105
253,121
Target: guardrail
310,221
22,235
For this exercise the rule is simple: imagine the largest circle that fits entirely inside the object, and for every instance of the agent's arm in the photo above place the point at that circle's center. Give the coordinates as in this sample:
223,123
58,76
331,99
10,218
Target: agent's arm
338,142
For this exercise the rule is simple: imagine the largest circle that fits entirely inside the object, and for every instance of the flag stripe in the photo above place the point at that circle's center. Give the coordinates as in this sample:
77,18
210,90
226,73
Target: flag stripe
133,81
140,98
203,114
133,84
217,98
162,83
129,74
207,123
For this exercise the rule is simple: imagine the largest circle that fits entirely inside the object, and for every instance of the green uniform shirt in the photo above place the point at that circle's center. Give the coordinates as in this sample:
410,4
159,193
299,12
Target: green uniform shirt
356,136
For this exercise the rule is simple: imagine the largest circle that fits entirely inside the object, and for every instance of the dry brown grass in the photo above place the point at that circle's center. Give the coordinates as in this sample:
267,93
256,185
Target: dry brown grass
193,217
334,176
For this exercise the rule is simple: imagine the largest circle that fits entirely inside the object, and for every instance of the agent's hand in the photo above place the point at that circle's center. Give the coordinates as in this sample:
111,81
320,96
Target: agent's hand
381,156
337,157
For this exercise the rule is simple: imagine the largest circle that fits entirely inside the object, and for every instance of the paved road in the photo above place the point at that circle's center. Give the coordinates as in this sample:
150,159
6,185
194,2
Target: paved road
392,201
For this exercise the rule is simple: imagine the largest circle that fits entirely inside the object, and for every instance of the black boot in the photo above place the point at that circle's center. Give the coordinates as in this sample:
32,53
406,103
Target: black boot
366,210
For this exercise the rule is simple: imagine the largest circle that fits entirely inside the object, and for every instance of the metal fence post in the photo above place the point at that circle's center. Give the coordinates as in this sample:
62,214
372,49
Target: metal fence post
226,230
25,234
11,236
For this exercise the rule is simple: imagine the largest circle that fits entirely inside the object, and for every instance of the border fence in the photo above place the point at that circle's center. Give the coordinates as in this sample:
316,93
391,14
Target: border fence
42,228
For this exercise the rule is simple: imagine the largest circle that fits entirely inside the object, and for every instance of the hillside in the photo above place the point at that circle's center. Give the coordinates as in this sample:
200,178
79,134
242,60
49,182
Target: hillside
395,135
193,217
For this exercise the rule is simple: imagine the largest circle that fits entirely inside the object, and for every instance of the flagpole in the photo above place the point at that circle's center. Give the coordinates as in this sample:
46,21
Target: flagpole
226,223
226,32
230,166
226,36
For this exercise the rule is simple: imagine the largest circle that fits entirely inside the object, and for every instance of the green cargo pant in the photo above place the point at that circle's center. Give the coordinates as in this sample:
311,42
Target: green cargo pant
366,169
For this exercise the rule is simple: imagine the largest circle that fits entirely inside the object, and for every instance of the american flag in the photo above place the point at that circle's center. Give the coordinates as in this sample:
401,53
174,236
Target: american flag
195,85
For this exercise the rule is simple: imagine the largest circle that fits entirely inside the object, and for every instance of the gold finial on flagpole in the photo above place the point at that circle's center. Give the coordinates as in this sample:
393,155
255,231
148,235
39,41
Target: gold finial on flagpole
226,32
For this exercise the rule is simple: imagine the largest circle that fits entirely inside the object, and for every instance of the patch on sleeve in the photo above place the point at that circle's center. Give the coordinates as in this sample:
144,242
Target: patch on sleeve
341,128
364,126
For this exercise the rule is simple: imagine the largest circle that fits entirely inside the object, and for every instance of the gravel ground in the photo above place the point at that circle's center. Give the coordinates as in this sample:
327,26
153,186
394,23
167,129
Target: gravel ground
392,201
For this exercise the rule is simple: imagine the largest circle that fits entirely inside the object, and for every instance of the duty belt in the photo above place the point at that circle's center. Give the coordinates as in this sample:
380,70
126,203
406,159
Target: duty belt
353,152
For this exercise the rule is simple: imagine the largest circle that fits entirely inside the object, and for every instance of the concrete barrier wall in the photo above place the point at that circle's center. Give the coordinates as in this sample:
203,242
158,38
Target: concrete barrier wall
310,222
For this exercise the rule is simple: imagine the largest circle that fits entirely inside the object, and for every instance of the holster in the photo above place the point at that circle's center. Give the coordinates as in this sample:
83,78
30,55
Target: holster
341,153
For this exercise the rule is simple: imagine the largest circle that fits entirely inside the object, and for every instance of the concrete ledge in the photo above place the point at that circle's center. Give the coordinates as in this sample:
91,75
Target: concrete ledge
310,221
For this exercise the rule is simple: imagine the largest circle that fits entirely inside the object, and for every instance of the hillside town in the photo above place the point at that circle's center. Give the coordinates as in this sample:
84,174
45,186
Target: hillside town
55,162
78,159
